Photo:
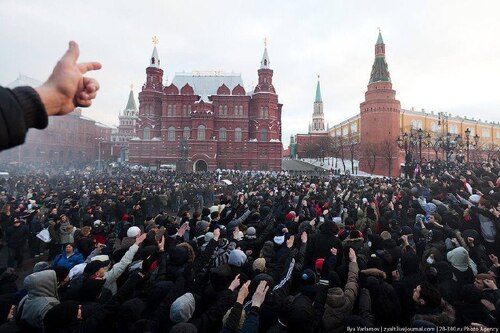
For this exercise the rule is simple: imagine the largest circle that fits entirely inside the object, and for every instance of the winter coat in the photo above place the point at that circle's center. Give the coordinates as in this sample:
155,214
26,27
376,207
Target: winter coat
66,232
444,315
62,260
17,236
339,303
20,109
42,296
319,245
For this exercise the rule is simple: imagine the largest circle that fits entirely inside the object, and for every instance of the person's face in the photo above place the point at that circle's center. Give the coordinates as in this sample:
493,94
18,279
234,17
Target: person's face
479,284
432,219
100,273
416,295
17,222
68,249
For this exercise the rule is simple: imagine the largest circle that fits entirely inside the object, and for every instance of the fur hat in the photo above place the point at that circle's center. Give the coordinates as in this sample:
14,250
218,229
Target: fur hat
259,264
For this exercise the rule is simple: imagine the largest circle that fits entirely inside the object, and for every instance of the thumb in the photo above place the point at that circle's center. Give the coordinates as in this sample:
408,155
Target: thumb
72,53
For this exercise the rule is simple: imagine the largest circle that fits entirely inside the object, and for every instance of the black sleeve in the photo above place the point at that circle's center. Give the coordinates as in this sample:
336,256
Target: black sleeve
20,109
233,320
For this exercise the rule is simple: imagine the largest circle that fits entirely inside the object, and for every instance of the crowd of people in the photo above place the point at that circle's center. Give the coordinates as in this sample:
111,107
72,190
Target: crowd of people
134,251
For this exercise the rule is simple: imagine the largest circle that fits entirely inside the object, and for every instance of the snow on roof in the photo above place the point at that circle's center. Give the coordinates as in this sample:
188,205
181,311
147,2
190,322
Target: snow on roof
207,85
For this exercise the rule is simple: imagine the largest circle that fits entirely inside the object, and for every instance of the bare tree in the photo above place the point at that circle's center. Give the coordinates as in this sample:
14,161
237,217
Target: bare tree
388,151
352,147
340,146
370,152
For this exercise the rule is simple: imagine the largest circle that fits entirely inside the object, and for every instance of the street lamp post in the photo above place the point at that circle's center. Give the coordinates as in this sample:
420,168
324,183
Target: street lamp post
467,138
99,158
476,143
446,145
99,141
420,134
403,142
428,142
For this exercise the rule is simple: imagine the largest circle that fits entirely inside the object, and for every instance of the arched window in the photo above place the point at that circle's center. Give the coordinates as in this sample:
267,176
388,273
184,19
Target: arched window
434,127
184,110
169,110
263,134
225,110
220,110
222,134
354,128
241,110
345,131
147,133
171,133
201,132
237,134
414,124
186,133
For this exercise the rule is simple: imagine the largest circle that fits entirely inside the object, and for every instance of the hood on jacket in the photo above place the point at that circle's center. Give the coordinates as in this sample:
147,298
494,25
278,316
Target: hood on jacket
41,284
459,258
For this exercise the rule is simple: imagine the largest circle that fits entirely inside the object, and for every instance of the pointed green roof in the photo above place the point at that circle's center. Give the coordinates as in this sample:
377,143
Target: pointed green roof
380,40
318,93
131,102
380,71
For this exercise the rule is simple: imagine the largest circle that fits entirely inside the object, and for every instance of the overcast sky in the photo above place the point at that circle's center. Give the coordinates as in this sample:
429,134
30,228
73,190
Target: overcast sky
442,55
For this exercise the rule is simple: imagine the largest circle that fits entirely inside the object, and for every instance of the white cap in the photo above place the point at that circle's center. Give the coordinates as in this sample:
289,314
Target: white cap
133,231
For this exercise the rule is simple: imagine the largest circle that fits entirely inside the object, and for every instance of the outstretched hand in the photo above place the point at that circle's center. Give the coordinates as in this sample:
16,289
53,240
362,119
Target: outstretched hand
67,88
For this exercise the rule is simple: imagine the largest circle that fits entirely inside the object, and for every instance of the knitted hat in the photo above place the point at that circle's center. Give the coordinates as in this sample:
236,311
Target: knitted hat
318,265
237,258
474,199
259,264
308,277
133,231
183,308
251,232
208,236
201,226
290,216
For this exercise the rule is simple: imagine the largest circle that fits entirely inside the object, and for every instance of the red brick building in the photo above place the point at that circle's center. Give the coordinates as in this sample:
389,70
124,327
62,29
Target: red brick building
317,130
373,132
125,131
206,120
380,114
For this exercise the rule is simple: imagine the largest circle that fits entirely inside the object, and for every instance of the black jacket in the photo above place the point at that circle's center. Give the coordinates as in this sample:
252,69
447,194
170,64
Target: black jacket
17,236
20,109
